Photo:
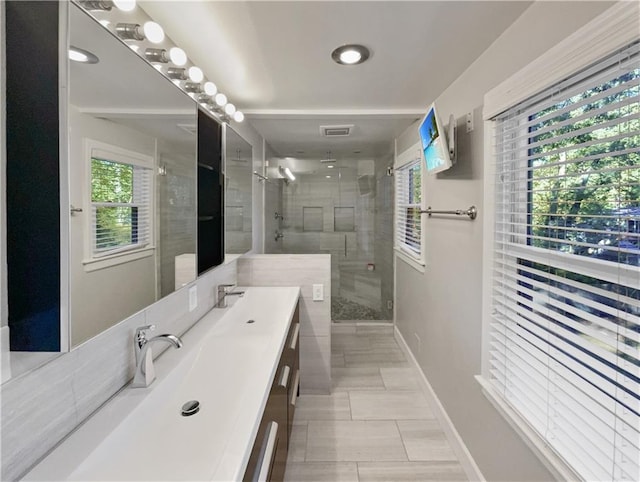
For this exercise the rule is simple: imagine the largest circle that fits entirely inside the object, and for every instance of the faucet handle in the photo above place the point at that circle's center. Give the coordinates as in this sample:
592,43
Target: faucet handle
141,334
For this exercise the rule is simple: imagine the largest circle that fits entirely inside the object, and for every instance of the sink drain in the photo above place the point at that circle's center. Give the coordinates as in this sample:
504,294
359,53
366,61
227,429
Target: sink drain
190,408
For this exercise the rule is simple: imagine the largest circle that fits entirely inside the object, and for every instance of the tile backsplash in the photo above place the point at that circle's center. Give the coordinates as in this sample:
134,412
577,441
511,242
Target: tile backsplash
43,406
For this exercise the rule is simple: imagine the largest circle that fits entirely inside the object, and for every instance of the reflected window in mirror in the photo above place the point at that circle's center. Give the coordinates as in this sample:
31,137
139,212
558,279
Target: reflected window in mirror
121,201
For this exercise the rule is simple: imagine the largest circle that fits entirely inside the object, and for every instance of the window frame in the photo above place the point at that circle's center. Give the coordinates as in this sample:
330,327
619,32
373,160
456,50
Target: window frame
404,160
93,260
607,33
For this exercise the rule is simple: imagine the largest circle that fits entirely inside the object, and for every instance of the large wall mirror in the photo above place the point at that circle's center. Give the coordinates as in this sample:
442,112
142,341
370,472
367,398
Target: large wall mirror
238,194
114,200
132,151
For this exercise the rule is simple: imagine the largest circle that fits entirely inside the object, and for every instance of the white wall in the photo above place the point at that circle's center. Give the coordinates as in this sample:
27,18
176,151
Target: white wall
443,305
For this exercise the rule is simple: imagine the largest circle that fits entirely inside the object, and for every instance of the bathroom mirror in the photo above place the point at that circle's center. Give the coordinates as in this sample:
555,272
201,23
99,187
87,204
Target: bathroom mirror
238,193
132,154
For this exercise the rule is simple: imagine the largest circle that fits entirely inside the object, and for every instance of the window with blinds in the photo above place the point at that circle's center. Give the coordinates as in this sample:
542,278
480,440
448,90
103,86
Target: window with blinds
120,206
565,324
408,206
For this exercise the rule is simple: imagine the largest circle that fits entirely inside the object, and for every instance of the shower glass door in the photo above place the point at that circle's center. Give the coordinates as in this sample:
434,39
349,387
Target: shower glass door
345,211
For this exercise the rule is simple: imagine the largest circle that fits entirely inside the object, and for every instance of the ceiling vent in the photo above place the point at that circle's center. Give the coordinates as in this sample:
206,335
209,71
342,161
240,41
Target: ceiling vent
336,131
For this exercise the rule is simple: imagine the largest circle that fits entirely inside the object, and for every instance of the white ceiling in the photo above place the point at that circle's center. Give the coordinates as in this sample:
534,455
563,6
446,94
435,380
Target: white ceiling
273,60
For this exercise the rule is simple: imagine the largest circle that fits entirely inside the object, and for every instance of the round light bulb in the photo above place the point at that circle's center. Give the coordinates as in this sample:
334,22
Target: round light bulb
125,5
221,99
230,109
238,116
350,56
153,32
195,74
134,47
177,56
210,88
158,67
105,23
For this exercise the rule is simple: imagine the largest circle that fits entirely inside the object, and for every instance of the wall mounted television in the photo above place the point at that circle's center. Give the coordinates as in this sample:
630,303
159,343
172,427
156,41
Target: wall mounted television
433,142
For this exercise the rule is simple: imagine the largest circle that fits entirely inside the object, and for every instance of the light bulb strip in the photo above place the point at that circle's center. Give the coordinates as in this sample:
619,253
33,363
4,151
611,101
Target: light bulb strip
155,48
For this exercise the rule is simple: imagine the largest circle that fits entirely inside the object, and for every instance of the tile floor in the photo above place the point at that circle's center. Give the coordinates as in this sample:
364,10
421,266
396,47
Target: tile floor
376,425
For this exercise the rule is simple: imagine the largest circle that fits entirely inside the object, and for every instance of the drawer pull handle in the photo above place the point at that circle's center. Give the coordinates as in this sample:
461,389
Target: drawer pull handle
267,459
296,384
284,378
294,338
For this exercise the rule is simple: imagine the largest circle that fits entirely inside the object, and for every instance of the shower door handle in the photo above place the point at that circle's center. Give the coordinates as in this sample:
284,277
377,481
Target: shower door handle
345,245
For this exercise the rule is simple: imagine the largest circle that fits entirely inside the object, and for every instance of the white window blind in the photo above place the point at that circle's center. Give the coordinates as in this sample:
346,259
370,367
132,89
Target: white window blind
565,325
408,206
120,206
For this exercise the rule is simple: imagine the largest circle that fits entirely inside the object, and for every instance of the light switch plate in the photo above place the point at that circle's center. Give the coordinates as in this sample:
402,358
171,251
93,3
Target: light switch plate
318,292
193,298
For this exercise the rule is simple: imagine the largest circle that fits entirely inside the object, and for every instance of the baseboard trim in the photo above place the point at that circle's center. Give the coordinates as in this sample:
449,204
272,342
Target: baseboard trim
462,452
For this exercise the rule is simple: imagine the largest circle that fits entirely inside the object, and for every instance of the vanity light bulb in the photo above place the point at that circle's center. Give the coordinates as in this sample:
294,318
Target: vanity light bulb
177,56
221,99
153,32
125,5
210,88
238,116
195,74
230,109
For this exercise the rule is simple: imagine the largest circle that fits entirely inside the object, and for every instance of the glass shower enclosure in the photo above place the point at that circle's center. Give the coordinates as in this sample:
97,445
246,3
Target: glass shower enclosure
345,210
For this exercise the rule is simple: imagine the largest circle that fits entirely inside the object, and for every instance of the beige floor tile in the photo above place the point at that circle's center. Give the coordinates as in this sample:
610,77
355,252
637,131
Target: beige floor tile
323,407
353,441
399,378
410,471
358,378
337,359
343,328
321,472
297,443
349,343
389,405
424,440
374,330
378,358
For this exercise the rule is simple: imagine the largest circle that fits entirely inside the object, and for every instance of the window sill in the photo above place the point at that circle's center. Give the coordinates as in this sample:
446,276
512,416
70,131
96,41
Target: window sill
116,259
414,263
554,463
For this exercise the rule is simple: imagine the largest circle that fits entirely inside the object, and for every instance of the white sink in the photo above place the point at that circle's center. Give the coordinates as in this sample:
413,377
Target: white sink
227,367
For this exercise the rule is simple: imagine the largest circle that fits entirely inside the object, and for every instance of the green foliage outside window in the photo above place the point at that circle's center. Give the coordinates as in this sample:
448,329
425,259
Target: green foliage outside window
113,182
584,178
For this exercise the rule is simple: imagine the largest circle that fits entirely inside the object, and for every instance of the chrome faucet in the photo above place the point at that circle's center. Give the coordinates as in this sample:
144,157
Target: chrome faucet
145,373
223,293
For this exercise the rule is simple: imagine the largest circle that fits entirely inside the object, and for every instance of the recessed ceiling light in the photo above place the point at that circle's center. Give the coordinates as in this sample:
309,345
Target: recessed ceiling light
352,54
330,166
80,55
328,177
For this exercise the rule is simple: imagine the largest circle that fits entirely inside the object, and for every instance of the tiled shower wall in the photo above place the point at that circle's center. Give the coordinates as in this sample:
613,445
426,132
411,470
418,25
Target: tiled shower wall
351,218
41,407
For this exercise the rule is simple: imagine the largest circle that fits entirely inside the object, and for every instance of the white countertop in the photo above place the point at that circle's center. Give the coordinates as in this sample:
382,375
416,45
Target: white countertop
228,366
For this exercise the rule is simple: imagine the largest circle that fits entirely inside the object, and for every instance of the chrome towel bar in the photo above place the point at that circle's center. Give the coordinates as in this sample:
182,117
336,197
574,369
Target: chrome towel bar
472,212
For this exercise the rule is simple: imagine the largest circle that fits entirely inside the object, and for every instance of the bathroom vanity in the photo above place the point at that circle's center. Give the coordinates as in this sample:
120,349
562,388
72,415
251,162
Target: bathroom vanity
220,409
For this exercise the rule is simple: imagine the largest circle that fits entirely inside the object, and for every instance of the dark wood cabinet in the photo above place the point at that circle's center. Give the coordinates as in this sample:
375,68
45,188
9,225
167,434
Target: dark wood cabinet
269,454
